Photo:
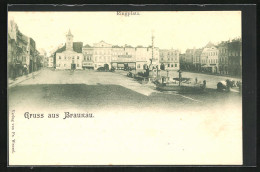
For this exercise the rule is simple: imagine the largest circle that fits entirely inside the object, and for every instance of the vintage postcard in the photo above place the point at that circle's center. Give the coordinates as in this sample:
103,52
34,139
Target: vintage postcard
125,88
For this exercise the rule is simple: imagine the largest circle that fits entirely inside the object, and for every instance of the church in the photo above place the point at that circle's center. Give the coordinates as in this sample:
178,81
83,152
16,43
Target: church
70,56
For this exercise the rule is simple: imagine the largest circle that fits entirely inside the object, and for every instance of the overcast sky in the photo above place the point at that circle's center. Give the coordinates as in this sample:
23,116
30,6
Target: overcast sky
178,30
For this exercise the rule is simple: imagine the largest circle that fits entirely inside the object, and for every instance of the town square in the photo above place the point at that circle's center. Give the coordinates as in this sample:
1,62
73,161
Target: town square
125,87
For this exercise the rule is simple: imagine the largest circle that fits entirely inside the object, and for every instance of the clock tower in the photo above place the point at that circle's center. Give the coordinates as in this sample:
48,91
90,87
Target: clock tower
69,42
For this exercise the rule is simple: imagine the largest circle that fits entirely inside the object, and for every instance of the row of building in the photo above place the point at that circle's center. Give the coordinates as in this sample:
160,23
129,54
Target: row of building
223,58
73,55
23,57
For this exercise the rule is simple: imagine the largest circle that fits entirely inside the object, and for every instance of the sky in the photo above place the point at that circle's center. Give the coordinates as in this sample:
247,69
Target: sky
171,29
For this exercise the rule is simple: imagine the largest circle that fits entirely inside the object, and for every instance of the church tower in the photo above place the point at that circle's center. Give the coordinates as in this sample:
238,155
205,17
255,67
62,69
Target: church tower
69,42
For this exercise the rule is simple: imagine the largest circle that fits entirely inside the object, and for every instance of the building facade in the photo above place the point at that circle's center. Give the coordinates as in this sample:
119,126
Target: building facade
235,57
209,59
88,61
50,62
123,57
223,57
119,57
102,53
22,53
71,57
169,59
188,60
197,59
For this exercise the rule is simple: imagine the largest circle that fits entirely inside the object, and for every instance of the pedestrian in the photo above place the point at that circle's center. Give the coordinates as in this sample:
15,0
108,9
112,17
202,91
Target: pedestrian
196,80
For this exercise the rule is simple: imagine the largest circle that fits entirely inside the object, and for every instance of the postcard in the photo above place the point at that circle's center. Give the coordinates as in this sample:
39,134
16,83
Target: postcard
124,88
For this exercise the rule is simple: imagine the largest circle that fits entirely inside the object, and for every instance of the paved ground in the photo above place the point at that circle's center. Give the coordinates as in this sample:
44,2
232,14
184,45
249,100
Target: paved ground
91,89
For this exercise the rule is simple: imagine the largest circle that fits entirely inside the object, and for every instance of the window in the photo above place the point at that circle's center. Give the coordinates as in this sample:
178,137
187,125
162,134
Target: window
175,65
64,65
78,57
168,65
77,65
73,57
65,57
172,65
138,66
59,57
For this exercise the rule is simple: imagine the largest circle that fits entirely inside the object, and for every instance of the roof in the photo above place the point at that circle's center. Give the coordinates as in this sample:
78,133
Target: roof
87,46
210,44
69,33
61,49
77,46
116,46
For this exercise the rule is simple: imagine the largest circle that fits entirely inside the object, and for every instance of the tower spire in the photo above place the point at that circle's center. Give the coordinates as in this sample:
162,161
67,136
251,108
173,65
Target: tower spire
69,33
69,42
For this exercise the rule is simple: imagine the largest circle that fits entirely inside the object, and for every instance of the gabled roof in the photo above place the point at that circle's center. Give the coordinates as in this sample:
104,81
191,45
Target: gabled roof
210,44
87,46
60,50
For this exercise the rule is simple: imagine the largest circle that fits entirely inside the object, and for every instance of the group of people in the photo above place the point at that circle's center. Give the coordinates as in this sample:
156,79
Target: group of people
229,84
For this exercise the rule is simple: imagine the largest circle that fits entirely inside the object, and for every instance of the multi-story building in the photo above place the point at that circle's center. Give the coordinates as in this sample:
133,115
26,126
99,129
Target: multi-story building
73,56
88,61
32,54
147,57
22,52
123,57
25,57
169,59
102,52
197,59
235,57
119,57
44,57
182,61
188,60
209,58
223,57
11,57
70,56
50,61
